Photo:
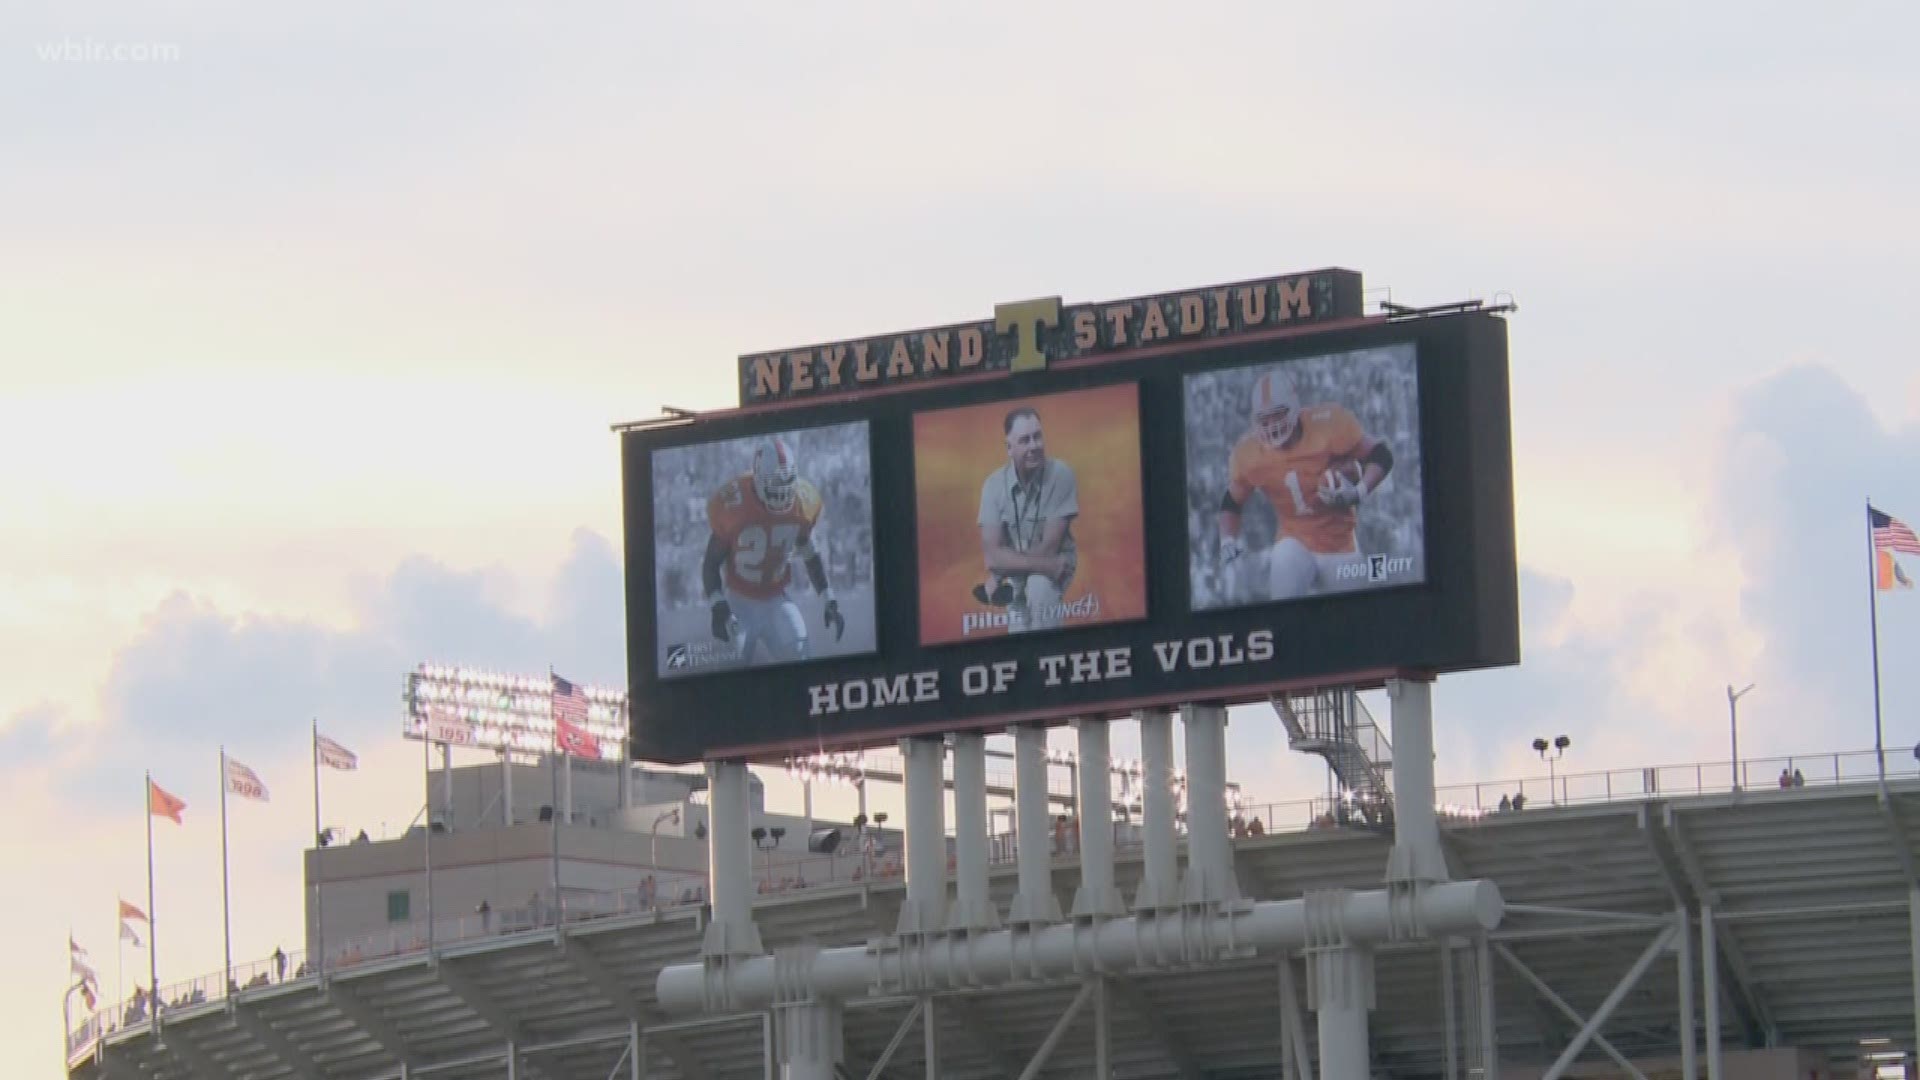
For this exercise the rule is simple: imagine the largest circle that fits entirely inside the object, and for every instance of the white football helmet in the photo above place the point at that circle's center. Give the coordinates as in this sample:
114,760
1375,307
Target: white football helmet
1276,407
774,474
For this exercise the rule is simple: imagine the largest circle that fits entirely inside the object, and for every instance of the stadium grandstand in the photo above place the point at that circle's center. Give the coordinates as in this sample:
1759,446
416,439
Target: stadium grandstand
1656,922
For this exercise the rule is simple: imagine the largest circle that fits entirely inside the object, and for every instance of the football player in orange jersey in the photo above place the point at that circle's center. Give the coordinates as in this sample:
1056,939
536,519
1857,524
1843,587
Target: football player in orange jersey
760,521
1314,464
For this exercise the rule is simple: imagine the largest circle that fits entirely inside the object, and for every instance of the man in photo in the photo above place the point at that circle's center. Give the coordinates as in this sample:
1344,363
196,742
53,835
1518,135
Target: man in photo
761,520
1314,465
1027,507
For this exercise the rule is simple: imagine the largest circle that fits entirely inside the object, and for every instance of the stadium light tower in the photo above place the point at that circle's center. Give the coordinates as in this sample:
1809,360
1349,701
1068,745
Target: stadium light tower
1559,747
1733,723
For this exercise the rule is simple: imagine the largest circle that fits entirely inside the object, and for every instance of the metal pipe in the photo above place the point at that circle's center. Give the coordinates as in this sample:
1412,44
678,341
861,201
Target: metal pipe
1610,1003
1034,900
1489,1030
931,1048
1343,993
1450,1039
1293,1049
1102,1032
1913,940
899,1036
972,909
1683,955
1209,848
925,909
1052,1040
1097,895
1567,1010
729,863
1416,854
1160,871
1710,988
1113,946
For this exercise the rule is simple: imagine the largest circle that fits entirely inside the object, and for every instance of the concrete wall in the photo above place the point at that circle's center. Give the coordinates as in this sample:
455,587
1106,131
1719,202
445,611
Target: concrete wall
1779,1064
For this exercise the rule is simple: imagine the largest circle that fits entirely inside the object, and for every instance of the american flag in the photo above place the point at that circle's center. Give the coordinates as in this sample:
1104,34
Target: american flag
570,735
1892,534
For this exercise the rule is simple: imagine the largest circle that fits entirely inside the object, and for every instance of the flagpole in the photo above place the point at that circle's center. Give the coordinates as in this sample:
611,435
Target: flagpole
1873,621
226,914
553,770
317,951
153,920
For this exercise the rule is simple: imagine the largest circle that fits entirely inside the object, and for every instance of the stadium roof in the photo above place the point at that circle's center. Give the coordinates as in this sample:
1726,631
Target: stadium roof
1810,887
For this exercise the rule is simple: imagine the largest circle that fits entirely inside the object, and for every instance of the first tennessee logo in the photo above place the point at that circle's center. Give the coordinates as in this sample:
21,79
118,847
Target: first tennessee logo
683,656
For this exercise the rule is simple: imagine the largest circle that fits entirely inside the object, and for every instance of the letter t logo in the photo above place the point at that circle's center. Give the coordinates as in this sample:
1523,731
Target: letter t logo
1025,318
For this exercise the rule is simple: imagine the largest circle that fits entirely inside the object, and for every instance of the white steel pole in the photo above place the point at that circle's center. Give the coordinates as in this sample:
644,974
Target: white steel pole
925,909
1210,876
1160,873
972,909
1097,895
729,863
1710,987
1683,954
1343,992
1034,902
1416,854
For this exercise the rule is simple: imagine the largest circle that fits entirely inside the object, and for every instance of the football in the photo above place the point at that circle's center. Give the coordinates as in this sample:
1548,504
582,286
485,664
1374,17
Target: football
1348,470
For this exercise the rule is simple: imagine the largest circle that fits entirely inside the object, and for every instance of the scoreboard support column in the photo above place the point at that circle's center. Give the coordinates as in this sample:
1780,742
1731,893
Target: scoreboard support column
1210,877
925,910
729,863
1034,902
972,910
1097,896
1160,876
1416,854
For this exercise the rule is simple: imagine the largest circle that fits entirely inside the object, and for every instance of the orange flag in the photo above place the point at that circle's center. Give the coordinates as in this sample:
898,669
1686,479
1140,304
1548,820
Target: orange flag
1888,573
128,911
161,804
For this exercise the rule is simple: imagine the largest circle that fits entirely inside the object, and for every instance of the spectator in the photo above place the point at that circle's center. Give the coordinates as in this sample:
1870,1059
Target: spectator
1256,829
1506,803
279,964
1519,800
485,911
1786,778
1799,780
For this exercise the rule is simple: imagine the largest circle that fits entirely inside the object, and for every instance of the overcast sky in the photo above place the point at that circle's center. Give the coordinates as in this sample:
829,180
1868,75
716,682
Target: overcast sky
313,318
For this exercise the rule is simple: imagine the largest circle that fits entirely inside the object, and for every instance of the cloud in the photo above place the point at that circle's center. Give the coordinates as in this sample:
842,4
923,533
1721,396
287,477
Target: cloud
196,677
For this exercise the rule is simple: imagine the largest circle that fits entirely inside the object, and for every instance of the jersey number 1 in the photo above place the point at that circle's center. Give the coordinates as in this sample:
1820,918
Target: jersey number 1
750,551
1293,488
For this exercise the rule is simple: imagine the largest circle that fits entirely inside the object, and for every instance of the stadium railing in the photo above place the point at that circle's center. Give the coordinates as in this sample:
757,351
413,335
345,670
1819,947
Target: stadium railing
776,875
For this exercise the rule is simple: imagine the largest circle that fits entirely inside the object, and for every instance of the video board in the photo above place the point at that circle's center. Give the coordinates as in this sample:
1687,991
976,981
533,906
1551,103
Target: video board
1028,514
1067,511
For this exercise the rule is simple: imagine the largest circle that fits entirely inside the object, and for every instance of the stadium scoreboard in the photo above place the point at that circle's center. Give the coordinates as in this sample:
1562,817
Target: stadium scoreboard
1071,510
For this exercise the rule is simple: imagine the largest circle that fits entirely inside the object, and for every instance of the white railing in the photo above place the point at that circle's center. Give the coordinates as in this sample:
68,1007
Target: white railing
777,874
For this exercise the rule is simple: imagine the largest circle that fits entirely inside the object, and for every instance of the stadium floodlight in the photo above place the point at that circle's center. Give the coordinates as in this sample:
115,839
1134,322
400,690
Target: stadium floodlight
490,710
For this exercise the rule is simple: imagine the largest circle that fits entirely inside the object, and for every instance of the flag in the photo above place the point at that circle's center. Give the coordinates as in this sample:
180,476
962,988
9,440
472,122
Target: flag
244,782
1892,534
570,735
86,996
74,949
81,969
127,934
1888,574
128,911
161,804
335,756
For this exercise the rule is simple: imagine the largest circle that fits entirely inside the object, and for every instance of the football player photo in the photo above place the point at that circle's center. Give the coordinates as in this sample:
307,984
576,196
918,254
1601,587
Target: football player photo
764,550
1030,514
1304,478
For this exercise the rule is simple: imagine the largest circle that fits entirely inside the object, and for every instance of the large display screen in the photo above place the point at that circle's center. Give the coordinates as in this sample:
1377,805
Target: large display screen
1304,477
1029,514
763,550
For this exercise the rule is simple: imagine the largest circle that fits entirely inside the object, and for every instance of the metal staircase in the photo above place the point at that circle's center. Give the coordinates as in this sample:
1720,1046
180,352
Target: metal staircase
1336,725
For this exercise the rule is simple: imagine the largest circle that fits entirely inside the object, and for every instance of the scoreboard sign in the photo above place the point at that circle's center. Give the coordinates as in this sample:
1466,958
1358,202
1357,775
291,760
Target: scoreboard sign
1209,495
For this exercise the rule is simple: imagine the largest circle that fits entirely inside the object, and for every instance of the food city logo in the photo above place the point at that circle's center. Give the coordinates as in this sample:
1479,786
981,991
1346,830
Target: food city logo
1057,669
1028,335
1377,567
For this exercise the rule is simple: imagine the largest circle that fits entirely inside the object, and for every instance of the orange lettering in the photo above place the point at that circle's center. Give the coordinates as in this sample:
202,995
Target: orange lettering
933,350
899,364
1253,306
863,369
766,376
1221,321
833,356
1086,333
1193,314
1293,299
972,348
801,371
1154,326
1117,317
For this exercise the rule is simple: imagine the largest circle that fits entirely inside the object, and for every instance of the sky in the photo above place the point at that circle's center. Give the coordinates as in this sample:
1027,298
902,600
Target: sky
313,319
